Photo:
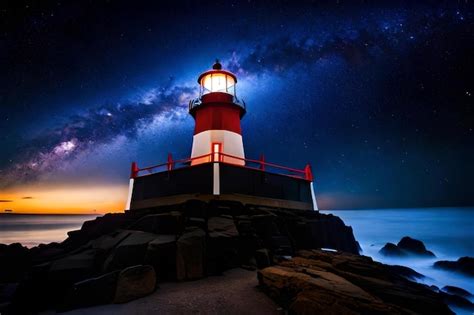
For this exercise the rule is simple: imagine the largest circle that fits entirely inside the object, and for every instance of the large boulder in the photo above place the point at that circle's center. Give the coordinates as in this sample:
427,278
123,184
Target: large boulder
249,242
340,283
109,241
406,272
456,291
94,291
225,207
263,258
130,251
407,246
464,265
265,226
457,301
14,260
163,223
47,284
317,292
190,254
94,228
222,245
7,292
75,267
414,246
222,226
314,230
195,208
390,249
161,254
47,252
135,282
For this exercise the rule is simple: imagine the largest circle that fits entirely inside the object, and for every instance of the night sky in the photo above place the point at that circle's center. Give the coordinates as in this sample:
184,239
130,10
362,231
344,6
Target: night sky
378,97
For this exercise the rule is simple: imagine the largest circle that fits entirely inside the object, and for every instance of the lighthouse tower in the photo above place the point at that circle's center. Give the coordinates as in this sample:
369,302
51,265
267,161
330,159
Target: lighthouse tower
218,169
217,113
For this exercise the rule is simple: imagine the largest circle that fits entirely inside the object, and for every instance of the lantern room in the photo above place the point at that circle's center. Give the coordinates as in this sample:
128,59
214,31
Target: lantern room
217,80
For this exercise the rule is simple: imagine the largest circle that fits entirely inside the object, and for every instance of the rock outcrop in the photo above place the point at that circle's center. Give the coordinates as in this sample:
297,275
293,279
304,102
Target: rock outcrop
464,265
406,246
318,282
14,259
191,254
134,282
120,257
406,272
456,291
90,292
98,263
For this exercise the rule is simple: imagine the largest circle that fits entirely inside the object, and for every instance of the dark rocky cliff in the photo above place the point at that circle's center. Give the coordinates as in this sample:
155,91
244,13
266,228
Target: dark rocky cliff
120,257
181,242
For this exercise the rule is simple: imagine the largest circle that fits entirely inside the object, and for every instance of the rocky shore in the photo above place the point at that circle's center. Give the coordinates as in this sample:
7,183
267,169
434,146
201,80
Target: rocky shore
464,265
118,258
318,282
407,246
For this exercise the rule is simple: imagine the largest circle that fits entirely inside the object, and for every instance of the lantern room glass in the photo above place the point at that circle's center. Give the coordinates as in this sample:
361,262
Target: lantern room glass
217,82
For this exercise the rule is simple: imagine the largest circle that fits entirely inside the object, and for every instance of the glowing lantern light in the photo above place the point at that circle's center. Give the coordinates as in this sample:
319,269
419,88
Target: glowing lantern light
217,80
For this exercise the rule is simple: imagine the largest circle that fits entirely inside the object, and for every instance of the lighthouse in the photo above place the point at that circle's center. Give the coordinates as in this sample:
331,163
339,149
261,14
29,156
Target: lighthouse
218,169
217,113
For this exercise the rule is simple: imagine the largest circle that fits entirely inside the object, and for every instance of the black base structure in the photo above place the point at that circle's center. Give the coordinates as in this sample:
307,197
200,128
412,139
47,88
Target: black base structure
217,180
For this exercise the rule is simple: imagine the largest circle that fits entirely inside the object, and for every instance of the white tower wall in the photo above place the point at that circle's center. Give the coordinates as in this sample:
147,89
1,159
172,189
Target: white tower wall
231,143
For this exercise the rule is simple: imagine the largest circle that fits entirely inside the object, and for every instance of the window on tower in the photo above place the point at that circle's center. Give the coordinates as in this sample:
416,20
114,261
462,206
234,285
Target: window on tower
218,82
216,150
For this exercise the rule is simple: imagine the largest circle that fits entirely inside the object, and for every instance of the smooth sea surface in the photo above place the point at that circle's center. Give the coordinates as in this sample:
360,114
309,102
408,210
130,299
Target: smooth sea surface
32,230
447,232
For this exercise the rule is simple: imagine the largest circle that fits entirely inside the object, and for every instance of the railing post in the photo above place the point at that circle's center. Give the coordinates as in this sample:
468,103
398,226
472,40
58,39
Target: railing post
262,162
308,173
134,170
170,162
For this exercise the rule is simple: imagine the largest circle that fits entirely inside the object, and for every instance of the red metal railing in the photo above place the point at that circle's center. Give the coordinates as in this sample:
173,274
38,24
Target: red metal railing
260,164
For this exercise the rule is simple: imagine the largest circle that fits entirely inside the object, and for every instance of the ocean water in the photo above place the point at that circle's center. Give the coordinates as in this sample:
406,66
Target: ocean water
447,232
32,230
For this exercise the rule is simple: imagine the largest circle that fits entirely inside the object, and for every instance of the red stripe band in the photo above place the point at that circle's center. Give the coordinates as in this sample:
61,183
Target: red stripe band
217,116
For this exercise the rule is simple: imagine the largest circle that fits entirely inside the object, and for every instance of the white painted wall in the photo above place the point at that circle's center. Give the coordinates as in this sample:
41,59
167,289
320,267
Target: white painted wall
231,144
216,187
130,191
313,197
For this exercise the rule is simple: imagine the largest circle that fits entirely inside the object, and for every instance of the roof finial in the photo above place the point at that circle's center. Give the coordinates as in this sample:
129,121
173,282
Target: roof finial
217,65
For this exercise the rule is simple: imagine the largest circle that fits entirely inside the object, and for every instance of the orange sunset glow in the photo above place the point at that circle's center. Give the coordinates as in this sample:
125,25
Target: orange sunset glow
62,199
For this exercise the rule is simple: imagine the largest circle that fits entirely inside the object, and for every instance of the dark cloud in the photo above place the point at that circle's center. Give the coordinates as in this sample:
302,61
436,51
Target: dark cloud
5,200
28,197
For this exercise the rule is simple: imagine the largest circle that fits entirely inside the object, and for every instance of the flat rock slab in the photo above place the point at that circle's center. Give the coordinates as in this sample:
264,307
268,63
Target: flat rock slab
233,293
